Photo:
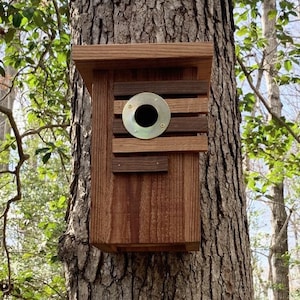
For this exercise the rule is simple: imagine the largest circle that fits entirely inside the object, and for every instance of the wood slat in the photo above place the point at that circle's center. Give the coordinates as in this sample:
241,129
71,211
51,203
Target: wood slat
166,87
180,124
140,164
161,144
114,53
183,105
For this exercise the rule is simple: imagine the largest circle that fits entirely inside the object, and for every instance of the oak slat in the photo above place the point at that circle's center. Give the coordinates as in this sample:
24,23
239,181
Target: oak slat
161,144
182,105
140,164
180,124
176,87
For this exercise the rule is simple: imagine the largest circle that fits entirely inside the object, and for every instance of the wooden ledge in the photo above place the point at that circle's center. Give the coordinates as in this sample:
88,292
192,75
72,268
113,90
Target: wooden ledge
109,56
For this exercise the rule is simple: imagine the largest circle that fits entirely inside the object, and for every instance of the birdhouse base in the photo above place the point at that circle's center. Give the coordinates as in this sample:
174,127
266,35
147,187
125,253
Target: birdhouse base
149,247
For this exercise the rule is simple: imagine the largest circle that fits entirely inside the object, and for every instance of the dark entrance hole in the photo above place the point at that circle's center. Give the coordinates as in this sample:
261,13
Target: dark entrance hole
146,115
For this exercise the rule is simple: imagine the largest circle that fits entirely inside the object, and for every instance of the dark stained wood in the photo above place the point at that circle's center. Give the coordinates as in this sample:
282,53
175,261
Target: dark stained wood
140,164
180,125
170,87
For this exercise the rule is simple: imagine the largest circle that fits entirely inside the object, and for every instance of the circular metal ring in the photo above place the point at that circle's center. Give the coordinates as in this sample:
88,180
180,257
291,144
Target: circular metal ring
146,115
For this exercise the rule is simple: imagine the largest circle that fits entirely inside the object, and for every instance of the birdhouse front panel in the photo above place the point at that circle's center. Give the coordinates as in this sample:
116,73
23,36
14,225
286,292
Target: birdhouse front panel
149,123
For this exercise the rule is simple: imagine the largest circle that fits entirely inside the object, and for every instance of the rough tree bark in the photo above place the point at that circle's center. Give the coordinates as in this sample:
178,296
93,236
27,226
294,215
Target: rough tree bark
279,268
221,269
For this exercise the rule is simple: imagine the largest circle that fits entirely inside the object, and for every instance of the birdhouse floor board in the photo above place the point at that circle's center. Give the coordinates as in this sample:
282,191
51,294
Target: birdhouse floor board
165,87
182,105
161,144
150,247
140,164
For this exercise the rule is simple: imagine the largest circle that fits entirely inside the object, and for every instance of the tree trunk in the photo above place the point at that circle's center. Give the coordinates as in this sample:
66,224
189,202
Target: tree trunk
279,267
221,269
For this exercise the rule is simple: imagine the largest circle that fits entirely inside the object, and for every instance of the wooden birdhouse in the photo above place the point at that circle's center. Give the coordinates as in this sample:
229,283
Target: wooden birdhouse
149,123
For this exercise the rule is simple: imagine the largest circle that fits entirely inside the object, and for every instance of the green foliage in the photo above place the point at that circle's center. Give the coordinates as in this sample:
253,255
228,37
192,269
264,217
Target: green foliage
271,153
35,40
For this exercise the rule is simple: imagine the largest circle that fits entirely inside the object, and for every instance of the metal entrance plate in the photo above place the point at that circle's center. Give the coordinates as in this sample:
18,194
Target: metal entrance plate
146,115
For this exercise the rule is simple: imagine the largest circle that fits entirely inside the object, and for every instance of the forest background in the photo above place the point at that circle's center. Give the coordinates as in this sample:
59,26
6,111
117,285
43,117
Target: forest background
35,158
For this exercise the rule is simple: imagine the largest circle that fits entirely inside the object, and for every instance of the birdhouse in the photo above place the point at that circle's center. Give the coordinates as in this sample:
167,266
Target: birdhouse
149,123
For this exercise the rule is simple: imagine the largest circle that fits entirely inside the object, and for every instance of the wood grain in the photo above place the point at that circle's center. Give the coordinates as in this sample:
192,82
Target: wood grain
180,125
140,164
183,105
137,56
101,155
146,211
166,87
110,56
160,144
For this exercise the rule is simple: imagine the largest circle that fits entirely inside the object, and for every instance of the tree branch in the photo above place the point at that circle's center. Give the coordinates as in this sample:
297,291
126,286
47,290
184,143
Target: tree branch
22,158
282,230
265,103
38,130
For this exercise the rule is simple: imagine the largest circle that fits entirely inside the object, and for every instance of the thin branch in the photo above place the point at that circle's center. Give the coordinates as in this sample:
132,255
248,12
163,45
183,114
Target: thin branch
282,231
22,158
276,243
38,130
265,103
12,84
59,22
7,172
61,159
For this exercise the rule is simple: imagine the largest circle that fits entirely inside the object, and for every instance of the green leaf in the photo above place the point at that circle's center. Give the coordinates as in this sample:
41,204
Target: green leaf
272,14
288,65
9,35
242,31
28,12
17,19
30,60
42,150
38,20
46,157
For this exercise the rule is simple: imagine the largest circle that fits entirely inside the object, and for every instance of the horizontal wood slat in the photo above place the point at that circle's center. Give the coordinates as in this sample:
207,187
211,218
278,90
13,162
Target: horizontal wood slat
183,105
132,52
161,144
176,87
140,164
180,124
